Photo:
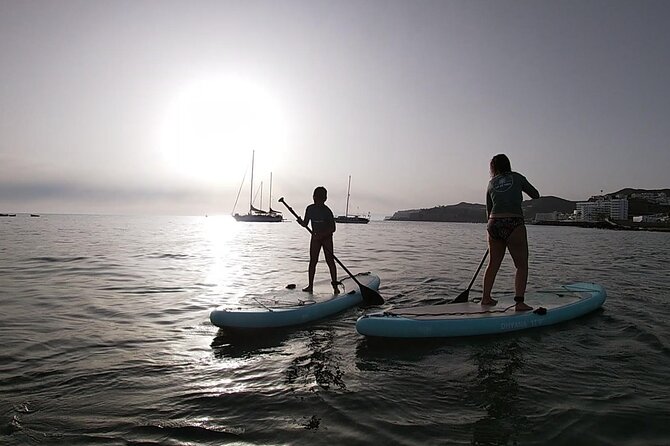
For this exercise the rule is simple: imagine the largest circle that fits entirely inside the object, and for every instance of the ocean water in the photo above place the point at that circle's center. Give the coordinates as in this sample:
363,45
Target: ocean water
106,339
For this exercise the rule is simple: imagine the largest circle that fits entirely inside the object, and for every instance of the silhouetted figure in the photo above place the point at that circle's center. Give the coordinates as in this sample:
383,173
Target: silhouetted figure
506,228
323,227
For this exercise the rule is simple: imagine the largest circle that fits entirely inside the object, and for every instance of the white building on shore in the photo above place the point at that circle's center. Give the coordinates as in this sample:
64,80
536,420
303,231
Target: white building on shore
545,216
656,218
602,208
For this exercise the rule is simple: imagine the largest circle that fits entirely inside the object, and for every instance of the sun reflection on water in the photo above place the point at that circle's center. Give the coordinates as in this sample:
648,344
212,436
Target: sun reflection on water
224,269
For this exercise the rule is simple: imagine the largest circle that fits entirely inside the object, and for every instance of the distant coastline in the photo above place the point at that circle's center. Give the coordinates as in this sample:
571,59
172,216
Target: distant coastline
609,224
476,213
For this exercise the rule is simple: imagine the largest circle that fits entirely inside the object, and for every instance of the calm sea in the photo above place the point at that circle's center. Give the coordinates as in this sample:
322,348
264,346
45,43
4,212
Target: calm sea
106,339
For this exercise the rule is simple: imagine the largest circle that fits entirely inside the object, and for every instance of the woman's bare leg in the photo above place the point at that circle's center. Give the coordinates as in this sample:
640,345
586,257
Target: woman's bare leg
518,249
496,255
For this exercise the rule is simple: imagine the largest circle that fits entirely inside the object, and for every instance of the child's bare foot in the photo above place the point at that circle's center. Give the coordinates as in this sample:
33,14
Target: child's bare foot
520,306
307,289
335,284
489,302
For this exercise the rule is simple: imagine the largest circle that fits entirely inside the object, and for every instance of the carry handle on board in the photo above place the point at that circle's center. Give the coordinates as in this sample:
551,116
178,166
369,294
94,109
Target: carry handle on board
370,296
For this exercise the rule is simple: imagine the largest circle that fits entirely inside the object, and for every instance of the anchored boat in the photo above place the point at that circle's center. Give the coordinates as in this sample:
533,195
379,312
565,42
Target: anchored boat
346,218
255,214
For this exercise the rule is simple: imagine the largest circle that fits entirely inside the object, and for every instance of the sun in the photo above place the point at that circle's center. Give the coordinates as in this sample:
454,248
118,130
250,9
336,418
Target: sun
212,125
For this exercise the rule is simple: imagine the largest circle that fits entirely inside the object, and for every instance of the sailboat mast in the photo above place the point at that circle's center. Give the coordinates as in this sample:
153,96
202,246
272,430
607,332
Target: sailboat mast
270,206
346,212
251,191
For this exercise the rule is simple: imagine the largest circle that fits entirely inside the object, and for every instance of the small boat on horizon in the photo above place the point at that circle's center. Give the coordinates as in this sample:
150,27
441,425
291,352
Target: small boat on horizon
255,214
346,218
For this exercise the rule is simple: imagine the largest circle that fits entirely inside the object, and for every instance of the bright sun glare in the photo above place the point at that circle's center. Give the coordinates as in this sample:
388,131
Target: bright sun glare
212,126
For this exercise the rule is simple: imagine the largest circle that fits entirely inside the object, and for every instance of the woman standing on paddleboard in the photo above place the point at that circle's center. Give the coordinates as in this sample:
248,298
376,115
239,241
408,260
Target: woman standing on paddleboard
506,228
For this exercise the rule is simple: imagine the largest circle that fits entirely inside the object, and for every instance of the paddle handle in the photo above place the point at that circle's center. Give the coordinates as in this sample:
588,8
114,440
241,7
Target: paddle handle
290,209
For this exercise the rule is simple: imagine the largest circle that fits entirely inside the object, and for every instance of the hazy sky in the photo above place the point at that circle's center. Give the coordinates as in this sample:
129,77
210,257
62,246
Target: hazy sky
155,106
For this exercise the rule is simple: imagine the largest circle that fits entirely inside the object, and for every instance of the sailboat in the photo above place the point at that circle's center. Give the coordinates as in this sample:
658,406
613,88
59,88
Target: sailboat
346,218
255,214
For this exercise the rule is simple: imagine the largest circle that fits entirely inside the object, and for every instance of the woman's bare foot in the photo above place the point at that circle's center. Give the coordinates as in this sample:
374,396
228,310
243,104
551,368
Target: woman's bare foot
520,306
489,302
307,289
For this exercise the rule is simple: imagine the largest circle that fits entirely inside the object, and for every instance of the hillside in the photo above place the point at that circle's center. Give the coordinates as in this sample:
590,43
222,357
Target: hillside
476,213
640,206
637,206
546,205
461,212
629,191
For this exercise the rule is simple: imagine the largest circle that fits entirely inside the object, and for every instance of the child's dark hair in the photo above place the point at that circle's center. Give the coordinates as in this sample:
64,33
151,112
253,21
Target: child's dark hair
321,193
500,164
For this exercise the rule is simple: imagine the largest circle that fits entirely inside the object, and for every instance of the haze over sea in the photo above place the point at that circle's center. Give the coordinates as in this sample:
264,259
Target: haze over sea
106,339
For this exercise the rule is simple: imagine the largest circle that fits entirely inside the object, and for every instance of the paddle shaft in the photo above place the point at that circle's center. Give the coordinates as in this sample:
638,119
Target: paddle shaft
478,269
281,200
463,297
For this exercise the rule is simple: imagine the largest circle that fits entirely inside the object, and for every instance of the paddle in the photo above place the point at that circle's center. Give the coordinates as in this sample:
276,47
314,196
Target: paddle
463,297
370,296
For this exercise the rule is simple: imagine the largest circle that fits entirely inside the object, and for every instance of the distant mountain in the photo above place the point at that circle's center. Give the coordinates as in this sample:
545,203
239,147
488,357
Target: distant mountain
461,212
546,205
641,206
629,191
476,213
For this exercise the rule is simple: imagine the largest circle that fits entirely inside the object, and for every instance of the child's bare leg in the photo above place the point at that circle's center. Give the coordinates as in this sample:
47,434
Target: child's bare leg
330,261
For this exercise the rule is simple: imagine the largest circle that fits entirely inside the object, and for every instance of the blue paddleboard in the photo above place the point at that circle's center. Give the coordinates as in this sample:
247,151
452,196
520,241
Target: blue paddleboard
470,318
286,307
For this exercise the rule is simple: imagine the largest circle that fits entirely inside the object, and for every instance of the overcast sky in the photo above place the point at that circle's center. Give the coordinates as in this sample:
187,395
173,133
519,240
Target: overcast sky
155,106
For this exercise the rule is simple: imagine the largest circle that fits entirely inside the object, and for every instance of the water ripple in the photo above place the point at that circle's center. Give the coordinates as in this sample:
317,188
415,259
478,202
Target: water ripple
106,339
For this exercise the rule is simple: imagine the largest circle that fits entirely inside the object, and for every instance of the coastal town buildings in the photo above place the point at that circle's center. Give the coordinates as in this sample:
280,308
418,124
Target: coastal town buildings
653,197
626,209
545,216
601,208
553,217
656,218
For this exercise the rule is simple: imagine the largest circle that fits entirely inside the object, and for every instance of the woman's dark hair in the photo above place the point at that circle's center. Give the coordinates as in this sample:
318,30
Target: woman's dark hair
321,193
500,164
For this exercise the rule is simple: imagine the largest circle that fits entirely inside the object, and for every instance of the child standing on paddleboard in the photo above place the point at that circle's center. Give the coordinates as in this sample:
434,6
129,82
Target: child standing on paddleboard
323,227
506,228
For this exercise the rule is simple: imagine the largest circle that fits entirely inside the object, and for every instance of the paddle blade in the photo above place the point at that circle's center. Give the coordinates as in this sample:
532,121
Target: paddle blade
370,296
463,297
